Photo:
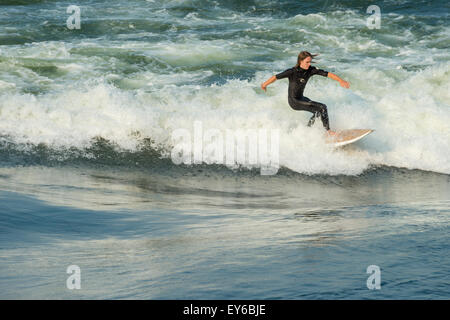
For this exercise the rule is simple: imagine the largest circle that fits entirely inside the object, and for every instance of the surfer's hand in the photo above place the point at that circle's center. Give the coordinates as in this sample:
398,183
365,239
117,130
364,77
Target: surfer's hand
269,81
344,84
264,87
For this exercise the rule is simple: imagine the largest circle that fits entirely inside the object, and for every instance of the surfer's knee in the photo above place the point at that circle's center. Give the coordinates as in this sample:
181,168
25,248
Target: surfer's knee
321,108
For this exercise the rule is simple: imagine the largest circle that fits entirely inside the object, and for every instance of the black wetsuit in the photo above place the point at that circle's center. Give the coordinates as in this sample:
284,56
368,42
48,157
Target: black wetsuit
298,78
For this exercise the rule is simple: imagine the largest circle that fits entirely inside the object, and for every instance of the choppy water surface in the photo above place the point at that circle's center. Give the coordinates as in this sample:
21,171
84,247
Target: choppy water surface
86,123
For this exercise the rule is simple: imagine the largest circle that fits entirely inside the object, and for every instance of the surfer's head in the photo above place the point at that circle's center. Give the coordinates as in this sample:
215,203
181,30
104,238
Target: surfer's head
304,59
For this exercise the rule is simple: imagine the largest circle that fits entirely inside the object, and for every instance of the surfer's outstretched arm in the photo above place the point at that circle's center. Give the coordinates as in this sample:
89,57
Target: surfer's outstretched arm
342,82
269,81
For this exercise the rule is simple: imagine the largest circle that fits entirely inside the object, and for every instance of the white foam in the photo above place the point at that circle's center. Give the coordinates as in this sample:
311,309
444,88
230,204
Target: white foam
409,109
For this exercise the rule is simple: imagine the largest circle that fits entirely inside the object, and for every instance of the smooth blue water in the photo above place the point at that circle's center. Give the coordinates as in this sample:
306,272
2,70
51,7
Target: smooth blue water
143,235
86,131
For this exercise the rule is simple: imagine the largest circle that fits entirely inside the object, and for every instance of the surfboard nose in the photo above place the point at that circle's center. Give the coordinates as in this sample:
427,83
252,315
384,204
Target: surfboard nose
345,137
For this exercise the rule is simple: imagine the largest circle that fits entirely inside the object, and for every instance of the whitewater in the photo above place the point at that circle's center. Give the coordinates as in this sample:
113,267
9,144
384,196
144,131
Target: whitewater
134,83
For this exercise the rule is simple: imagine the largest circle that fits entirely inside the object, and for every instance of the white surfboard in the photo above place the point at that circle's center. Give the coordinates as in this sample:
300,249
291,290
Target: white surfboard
345,137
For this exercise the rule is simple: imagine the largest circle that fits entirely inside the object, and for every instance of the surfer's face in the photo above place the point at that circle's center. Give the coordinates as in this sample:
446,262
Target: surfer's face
305,63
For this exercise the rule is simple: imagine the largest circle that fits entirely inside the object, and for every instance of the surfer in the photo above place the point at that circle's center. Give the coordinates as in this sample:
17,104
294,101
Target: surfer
298,77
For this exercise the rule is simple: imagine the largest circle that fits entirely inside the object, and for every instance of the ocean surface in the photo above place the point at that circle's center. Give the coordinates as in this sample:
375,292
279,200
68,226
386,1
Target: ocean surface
87,170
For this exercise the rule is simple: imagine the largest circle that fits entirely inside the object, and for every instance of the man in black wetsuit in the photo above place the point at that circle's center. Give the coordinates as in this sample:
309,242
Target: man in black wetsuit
298,77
